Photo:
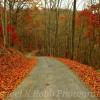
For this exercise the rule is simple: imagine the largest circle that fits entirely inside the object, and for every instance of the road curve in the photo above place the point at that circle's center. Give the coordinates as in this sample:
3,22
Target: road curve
51,80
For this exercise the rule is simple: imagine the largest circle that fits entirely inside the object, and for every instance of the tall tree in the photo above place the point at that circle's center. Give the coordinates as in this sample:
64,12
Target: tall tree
56,31
73,27
5,24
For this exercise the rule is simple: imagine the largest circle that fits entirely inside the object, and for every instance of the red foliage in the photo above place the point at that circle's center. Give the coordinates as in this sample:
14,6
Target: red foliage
10,28
13,34
13,68
94,20
85,12
91,20
86,73
1,31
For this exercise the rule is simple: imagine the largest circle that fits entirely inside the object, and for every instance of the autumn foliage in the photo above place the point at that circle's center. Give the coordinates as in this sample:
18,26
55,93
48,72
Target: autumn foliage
14,37
13,68
90,76
91,19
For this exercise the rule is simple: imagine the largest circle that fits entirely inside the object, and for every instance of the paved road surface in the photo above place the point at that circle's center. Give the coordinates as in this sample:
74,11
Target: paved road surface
51,80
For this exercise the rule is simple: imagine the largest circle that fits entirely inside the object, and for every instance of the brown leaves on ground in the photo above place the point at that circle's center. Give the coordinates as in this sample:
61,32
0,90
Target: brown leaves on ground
90,76
13,68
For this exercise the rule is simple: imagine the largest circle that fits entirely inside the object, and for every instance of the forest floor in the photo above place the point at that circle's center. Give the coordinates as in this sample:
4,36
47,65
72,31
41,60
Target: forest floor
51,80
14,67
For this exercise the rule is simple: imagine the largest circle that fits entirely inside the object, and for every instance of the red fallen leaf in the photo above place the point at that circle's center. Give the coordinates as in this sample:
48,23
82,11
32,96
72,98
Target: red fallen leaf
13,68
86,73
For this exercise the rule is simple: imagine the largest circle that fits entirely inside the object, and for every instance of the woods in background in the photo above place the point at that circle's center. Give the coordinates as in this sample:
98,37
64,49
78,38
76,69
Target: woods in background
30,25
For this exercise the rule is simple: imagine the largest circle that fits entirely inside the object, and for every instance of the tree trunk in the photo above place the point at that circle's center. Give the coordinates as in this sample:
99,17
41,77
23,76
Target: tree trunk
73,28
5,24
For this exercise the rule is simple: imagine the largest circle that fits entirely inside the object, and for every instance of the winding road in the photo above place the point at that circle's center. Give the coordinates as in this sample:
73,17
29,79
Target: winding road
51,80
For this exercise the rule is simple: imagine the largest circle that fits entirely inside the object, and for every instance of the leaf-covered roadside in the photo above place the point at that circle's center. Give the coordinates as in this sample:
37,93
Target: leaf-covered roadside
13,68
89,75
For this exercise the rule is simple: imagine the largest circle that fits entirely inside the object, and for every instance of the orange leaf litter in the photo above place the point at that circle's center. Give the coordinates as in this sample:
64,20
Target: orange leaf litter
86,73
13,69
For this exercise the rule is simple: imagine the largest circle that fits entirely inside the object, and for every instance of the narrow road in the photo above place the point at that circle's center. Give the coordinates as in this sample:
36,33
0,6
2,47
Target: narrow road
51,80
